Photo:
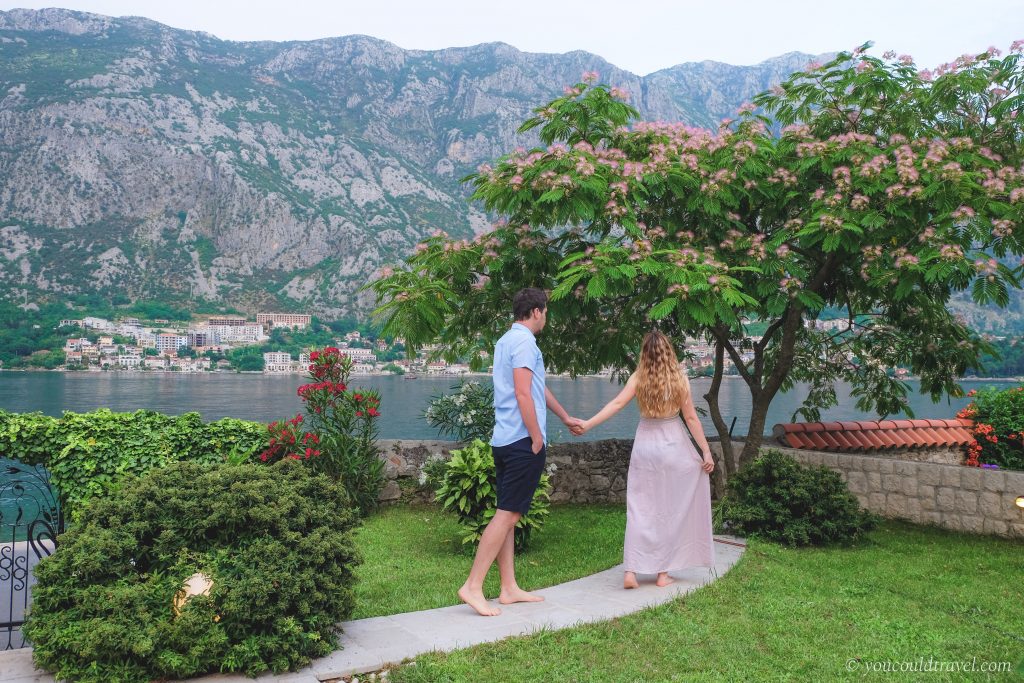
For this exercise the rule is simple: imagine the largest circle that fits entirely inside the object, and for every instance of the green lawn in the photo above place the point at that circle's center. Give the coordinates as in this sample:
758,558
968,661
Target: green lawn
413,559
906,594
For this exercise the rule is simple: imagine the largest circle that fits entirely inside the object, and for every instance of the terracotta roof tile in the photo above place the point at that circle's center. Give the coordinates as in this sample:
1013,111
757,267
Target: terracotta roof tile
847,443
815,439
862,435
933,437
830,440
873,440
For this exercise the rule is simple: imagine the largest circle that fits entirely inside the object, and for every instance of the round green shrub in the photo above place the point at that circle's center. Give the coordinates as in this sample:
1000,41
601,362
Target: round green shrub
468,488
776,498
276,541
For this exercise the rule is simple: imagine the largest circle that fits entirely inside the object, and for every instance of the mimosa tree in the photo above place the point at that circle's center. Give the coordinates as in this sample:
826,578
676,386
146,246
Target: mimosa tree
864,187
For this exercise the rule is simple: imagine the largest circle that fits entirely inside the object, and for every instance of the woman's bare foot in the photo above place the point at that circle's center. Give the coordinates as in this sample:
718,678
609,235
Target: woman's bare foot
664,580
630,581
517,594
477,601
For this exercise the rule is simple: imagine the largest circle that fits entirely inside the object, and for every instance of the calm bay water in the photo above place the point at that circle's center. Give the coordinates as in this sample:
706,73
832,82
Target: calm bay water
271,397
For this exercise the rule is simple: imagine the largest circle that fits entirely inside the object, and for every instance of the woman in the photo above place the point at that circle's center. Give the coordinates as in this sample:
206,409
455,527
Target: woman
668,490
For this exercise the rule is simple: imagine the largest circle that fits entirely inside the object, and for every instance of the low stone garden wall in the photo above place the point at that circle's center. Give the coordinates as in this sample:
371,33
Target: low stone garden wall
585,471
971,499
927,487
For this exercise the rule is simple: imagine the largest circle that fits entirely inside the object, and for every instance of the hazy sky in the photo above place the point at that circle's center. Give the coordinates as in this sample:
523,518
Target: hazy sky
638,35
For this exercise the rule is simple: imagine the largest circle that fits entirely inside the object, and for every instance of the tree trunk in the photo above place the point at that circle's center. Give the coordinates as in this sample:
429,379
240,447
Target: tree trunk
723,466
755,430
761,397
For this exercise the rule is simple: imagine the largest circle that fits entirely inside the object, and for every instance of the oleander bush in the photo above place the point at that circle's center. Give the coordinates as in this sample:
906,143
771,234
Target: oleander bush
338,434
467,489
998,416
275,541
466,414
778,499
88,453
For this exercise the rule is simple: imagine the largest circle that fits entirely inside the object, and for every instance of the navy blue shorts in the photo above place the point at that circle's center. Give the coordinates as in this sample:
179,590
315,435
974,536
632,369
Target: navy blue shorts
518,472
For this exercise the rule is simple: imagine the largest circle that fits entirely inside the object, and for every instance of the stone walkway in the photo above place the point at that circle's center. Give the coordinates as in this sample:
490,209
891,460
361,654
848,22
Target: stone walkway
371,644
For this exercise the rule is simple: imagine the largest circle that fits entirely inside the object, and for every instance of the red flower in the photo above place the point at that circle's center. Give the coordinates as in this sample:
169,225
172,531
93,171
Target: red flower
314,356
374,413
358,397
972,392
359,413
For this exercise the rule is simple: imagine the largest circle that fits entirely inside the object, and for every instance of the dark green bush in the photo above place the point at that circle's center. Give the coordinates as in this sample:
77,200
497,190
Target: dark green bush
87,453
276,542
776,498
468,489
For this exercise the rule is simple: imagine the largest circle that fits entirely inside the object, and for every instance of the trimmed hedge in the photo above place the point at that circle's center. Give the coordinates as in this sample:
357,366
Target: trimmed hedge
88,453
276,541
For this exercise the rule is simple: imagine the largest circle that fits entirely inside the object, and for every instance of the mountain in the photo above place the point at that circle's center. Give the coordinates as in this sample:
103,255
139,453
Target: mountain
140,161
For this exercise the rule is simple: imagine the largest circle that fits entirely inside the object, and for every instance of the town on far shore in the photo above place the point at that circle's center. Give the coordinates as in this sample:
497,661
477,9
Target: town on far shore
279,343
206,345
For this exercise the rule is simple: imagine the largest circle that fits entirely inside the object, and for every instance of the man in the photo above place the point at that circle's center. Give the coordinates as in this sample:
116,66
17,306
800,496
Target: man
521,400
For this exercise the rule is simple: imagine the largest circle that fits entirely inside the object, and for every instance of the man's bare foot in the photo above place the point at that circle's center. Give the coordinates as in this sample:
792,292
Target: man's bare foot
517,594
664,580
477,601
630,581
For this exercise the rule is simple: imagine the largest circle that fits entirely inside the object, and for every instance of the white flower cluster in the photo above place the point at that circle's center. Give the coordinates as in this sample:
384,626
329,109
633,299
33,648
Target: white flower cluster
428,464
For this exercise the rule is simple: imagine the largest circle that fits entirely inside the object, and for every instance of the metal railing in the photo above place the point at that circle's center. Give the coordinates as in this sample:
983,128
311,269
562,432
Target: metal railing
30,519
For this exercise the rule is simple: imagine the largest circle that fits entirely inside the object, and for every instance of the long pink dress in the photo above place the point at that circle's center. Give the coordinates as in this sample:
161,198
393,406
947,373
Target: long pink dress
668,501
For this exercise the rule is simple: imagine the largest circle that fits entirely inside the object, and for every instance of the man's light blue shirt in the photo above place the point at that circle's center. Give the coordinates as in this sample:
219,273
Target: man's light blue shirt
517,348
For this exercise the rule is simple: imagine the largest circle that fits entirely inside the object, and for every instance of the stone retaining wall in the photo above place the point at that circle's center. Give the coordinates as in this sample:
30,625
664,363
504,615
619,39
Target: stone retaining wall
403,459
919,486
970,499
585,471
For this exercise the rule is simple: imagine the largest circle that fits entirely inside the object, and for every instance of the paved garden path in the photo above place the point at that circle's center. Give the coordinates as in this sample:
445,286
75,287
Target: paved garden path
371,644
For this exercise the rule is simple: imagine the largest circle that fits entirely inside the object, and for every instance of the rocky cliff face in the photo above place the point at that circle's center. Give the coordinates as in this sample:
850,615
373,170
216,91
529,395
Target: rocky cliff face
142,161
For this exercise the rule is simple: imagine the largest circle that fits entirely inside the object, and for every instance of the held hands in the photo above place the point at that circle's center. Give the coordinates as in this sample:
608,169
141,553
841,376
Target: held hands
575,425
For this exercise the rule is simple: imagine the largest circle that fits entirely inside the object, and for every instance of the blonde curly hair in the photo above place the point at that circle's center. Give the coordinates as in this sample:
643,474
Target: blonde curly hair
661,384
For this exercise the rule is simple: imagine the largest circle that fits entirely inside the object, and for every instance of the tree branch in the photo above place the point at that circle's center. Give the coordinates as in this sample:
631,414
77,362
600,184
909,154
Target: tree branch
721,334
